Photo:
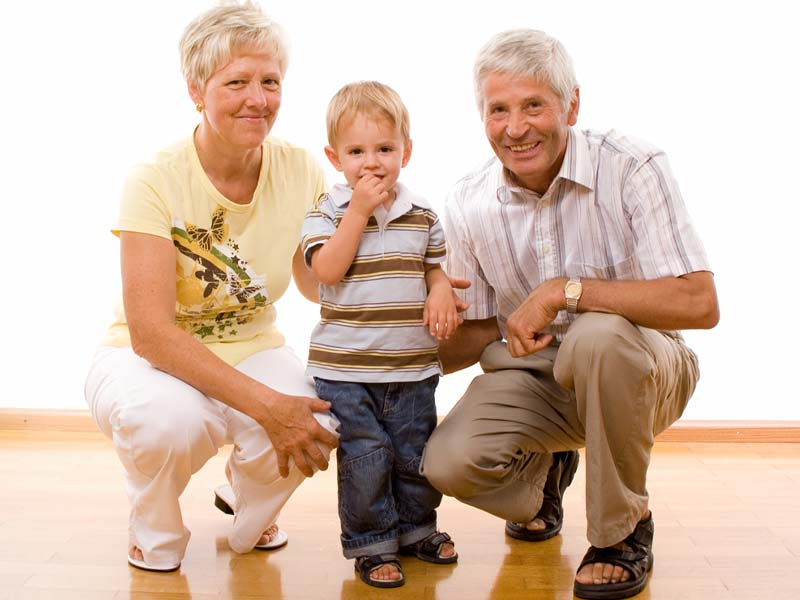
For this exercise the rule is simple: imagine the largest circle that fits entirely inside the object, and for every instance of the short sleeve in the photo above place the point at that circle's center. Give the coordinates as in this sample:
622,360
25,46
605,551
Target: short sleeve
318,227
461,262
666,243
143,208
436,250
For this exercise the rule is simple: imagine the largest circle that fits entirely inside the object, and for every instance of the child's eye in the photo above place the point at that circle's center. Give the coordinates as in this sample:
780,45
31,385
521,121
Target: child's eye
355,151
386,149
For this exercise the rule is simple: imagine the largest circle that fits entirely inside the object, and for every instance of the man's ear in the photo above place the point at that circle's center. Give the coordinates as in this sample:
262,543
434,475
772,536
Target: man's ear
406,152
574,107
333,156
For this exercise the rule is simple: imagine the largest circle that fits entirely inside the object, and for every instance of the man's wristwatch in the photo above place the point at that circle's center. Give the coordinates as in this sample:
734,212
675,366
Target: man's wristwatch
573,290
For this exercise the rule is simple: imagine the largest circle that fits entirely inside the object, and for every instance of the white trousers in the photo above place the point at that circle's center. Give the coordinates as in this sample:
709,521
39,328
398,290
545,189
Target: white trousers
164,430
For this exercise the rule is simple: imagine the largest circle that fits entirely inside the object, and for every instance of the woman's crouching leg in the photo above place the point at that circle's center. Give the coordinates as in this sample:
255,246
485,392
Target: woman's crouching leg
259,489
163,431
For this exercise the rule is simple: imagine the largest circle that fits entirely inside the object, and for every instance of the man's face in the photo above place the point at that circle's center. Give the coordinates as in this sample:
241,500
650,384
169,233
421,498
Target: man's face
527,127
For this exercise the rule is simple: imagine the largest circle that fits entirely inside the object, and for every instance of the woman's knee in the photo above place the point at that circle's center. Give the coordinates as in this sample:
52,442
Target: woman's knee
159,430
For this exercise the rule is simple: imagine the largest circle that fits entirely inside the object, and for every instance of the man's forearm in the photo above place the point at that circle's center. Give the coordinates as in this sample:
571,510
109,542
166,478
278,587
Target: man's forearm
465,347
686,302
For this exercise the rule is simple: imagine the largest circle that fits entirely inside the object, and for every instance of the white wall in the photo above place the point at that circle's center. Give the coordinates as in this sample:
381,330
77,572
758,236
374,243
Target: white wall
88,88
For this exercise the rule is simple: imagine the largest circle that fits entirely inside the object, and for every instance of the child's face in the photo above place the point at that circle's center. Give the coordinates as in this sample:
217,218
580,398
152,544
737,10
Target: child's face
368,145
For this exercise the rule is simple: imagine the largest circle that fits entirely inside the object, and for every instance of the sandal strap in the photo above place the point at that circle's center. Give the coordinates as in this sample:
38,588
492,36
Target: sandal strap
635,560
367,564
433,542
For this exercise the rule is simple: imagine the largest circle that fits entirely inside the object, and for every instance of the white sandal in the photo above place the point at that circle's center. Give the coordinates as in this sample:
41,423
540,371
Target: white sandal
225,500
140,564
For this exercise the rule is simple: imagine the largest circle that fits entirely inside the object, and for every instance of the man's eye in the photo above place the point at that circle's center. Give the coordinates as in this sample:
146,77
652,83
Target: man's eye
271,83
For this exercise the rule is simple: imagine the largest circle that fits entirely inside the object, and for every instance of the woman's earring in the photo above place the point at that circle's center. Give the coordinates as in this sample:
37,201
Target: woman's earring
199,107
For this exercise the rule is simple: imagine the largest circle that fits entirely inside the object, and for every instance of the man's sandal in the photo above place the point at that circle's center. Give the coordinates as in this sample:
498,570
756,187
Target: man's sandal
224,500
365,565
428,549
638,561
552,512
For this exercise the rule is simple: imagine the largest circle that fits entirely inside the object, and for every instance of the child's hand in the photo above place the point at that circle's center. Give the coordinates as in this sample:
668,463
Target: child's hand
440,313
368,193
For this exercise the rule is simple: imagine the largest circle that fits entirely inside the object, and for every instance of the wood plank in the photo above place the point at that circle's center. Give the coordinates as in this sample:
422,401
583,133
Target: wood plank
79,421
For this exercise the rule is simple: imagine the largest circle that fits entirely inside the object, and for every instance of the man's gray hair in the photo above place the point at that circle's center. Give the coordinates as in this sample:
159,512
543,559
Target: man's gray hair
527,53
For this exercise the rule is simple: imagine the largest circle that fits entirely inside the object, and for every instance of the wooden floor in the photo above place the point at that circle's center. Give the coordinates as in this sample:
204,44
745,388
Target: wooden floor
727,527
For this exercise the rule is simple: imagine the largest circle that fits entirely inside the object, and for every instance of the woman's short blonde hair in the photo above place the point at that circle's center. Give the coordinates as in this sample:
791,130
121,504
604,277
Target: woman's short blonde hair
209,40
369,98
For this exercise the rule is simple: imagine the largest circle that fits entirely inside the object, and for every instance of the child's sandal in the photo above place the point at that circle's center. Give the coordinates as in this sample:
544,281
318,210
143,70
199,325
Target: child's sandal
428,549
365,565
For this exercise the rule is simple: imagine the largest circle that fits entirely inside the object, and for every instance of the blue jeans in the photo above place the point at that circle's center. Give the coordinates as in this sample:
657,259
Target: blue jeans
384,502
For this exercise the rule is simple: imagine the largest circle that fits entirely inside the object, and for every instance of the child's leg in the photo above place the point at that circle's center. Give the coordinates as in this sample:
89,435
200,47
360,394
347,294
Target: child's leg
409,422
364,458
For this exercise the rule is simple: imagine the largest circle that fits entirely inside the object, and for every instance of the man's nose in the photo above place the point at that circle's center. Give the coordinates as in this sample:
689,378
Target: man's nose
517,125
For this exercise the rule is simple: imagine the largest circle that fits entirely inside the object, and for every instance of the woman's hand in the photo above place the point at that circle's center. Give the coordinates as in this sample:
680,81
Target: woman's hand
295,433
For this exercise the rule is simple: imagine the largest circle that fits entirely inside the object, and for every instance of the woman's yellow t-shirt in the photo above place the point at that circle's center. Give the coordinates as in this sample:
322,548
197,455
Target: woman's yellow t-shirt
232,261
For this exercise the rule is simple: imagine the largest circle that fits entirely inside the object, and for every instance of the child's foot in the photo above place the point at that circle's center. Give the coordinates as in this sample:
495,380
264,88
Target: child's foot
380,570
437,548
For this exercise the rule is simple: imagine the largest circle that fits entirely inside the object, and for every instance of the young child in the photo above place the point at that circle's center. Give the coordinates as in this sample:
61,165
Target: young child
376,249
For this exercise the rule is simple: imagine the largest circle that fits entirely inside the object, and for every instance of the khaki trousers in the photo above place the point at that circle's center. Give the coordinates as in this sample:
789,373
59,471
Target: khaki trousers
610,387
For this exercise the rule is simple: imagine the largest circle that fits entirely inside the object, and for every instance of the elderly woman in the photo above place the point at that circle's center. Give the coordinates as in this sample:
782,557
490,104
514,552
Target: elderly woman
209,233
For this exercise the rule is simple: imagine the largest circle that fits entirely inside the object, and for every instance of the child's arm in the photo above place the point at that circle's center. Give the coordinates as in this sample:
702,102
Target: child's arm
331,261
440,313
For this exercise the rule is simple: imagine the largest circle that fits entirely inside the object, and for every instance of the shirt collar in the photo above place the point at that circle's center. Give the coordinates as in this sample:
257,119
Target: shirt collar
341,194
576,166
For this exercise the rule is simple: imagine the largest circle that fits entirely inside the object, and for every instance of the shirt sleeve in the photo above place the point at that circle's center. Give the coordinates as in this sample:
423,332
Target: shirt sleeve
318,227
436,250
144,208
461,262
666,243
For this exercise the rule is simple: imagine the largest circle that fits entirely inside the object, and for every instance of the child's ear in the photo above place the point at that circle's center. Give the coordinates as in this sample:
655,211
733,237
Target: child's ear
333,156
406,152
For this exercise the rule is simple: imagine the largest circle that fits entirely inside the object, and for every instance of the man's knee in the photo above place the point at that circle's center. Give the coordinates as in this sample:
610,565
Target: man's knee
457,465
605,342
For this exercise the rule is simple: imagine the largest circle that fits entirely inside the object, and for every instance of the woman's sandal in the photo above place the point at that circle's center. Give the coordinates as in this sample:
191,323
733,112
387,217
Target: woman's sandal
428,549
638,561
224,500
365,565
140,564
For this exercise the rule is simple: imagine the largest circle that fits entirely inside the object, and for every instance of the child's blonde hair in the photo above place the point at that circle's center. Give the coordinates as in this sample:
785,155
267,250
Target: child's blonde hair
369,98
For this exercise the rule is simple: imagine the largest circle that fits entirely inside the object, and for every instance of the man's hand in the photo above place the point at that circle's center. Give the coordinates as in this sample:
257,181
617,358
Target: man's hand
368,194
295,433
537,312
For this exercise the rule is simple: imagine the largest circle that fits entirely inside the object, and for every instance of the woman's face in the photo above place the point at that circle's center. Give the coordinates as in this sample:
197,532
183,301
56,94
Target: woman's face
242,98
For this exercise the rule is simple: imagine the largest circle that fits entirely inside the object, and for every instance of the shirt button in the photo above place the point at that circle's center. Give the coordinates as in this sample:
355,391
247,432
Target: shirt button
547,250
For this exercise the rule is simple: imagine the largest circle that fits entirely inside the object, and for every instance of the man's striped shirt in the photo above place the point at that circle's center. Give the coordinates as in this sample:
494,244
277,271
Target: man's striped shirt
370,327
614,211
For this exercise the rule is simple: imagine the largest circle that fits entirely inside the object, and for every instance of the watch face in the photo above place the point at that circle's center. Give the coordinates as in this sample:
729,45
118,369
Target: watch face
572,289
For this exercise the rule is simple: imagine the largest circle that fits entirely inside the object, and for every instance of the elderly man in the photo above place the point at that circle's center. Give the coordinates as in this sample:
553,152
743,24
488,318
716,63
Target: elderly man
584,266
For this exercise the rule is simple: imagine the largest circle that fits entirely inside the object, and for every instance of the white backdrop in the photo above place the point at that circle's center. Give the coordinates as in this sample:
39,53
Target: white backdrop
88,88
